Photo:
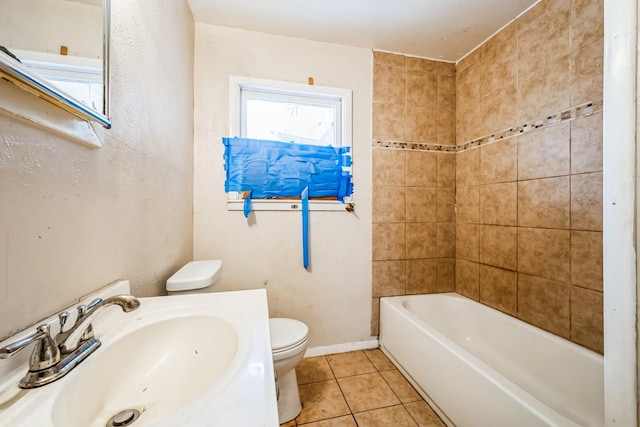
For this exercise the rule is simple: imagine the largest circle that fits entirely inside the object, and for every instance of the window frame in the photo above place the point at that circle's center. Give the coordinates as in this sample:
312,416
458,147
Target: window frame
237,84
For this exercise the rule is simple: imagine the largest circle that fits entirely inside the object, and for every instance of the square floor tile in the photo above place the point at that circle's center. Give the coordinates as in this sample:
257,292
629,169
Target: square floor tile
349,364
291,423
313,369
400,386
320,401
367,391
379,360
346,421
396,416
423,414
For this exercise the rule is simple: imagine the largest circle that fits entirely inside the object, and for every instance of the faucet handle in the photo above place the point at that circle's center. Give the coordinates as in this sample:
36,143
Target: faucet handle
63,317
82,311
44,355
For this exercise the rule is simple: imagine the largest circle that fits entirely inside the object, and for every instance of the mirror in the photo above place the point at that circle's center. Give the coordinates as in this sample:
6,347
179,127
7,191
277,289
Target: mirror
59,50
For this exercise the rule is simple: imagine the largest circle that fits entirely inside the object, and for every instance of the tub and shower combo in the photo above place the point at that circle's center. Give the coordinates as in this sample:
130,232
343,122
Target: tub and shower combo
478,367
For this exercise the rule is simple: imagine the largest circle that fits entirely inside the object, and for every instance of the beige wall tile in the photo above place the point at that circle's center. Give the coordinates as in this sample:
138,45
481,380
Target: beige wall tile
421,204
539,10
499,204
375,316
467,241
544,303
545,253
446,68
422,276
389,167
468,204
586,202
587,22
446,170
421,240
389,59
587,73
542,90
422,169
472,58
468,168
586,259
544,153
388,204
446,274
388,241
389,84
586,144
546,38
446,205
499,162
421,124
389,278
498,289
421,64
497,109
446,134
587,324
468,115
468,278
499,66
446,240
388,121
447,92
422,89
498,246
544,203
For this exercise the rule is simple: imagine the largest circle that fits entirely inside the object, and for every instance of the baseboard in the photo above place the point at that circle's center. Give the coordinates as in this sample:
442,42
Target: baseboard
341,348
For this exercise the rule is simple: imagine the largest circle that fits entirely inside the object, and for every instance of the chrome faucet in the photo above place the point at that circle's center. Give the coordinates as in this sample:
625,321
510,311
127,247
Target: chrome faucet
52,358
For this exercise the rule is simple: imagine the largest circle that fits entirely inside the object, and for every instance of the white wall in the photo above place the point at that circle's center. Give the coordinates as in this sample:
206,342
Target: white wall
334,298
73,219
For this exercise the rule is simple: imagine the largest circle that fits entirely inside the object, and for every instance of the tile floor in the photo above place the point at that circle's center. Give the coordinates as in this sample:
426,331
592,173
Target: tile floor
358,389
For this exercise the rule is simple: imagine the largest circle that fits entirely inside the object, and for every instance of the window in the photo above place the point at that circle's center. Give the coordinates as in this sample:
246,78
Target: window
289,112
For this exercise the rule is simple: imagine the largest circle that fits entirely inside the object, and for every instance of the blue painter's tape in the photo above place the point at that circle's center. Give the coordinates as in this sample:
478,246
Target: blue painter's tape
305,227
247,205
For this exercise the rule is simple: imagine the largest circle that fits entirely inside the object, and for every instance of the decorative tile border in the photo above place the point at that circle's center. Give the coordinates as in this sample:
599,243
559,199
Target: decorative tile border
416,146
582,110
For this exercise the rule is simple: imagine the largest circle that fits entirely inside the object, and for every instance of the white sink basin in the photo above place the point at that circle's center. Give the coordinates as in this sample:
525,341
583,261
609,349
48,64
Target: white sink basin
157,369
201,360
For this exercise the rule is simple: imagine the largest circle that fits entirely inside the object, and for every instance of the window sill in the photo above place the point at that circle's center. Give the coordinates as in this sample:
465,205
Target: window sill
289,205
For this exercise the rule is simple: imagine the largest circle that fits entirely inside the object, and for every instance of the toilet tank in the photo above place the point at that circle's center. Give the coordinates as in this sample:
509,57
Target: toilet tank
195,277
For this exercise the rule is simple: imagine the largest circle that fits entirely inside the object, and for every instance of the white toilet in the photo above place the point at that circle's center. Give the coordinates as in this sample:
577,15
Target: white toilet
288,336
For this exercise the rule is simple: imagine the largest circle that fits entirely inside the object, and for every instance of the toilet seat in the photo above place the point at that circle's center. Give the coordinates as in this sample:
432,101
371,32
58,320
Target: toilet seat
287,334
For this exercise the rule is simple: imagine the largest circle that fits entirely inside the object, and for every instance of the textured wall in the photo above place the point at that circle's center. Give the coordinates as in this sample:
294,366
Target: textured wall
413,189
333,298
529,208
73,219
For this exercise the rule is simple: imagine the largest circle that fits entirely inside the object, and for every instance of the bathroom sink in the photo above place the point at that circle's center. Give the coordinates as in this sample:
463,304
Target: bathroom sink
188,360
156,369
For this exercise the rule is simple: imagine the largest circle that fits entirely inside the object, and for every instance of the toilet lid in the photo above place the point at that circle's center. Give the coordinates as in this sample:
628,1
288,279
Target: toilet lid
286,333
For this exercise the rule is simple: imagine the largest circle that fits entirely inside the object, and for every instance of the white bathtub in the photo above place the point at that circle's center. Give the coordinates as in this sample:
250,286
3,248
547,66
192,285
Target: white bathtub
479,367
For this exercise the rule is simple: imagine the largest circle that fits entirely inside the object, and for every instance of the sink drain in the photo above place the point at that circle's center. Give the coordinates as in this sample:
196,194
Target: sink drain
124,418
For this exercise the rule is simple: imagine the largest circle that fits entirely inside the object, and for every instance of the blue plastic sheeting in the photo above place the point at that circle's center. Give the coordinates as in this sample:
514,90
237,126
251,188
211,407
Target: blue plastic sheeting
273,169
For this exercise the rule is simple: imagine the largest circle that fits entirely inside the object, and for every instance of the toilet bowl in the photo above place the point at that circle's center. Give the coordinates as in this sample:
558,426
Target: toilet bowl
288,343
288,336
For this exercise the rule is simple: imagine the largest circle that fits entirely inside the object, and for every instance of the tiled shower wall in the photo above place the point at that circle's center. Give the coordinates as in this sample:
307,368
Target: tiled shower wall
413,189
529,208
528,238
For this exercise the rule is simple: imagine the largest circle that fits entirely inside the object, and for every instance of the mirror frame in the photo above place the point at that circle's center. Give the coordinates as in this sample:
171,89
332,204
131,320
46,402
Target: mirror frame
30,81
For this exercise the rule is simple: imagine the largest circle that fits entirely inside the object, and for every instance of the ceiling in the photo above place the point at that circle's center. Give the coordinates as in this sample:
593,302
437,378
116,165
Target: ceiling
438,29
